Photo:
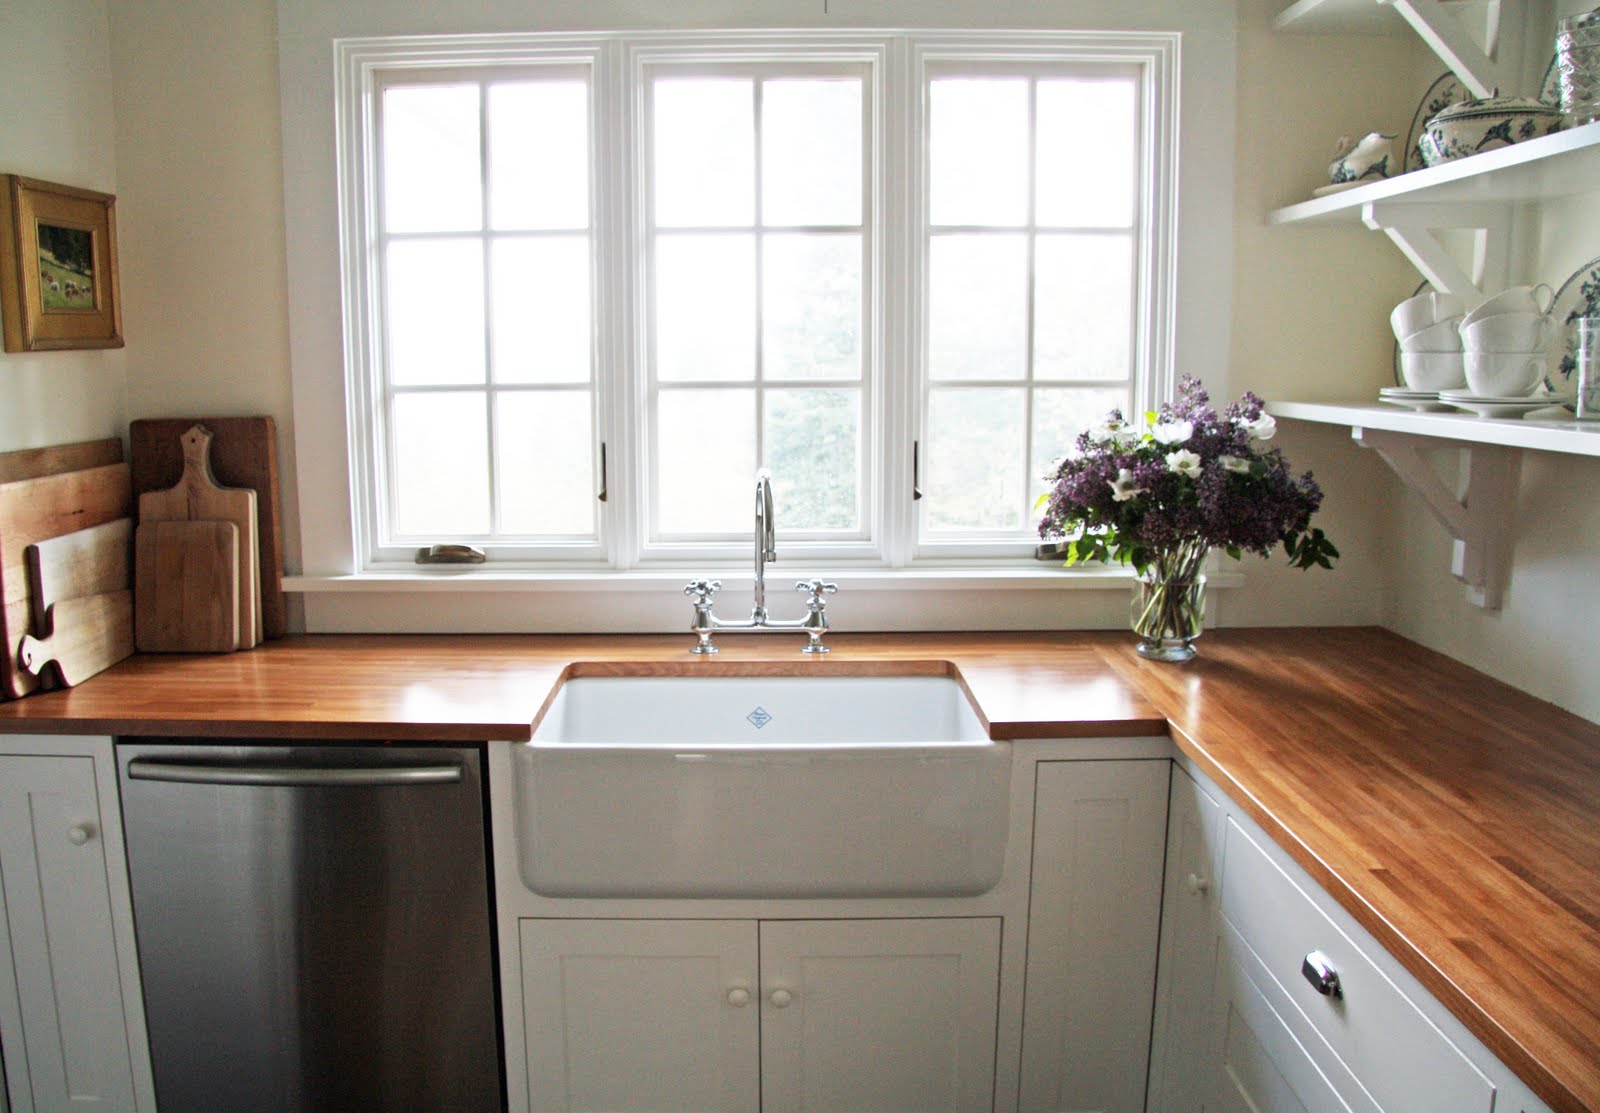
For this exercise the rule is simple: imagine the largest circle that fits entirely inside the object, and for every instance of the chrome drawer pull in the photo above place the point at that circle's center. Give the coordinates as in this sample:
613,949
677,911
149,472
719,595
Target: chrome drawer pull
1319,971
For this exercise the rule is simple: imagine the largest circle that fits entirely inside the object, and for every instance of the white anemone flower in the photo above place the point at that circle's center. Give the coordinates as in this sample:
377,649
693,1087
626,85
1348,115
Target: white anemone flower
1184,462
1235,463
1262,428
1172,432
1122,487
1108,430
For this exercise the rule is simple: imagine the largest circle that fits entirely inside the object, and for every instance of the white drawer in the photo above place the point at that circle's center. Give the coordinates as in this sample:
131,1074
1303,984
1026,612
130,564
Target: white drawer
1396,1053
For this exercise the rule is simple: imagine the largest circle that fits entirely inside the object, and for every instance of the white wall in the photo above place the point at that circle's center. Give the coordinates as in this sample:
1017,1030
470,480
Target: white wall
57,123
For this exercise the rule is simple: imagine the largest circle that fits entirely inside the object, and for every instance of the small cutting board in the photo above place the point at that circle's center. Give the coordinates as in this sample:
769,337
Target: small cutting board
199,497
89,635
187,599
87,562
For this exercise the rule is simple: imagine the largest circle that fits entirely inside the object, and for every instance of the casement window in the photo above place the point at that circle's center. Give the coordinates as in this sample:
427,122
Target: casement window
594,283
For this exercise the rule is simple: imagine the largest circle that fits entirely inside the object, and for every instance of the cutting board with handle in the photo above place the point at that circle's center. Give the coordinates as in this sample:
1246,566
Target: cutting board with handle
244,453
199,497
88,635
37,508
187,598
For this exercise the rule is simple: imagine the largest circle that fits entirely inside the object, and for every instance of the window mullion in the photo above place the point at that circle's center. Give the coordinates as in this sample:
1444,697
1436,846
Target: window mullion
486,246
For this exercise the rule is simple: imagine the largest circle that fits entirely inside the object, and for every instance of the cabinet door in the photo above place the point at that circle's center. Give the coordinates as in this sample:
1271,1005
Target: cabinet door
1189,920
68,1047
655,1015
1094,913
880,1015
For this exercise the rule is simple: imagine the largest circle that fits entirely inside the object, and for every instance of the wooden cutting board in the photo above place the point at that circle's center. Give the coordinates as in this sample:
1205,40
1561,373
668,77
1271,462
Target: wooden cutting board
244,453
187,599
34,510
89,562
199,497
90,634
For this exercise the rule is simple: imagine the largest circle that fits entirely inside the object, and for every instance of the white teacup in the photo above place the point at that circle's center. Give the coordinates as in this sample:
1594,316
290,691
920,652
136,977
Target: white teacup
1505,374
1514,299
1508,332
1433,370
1442,337
1417,313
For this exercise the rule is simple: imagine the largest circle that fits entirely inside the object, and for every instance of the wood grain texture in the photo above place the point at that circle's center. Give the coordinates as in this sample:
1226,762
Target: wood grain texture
86,562
33,510
32,463
88,635
1453,816
187,598
198,496
244,453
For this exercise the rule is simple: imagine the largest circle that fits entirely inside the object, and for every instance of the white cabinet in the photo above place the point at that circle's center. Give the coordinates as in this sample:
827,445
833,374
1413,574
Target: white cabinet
837,1015
70,1012
1094,911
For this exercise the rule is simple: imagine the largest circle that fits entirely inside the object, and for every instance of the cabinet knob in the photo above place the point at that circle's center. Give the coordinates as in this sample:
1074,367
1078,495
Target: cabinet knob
1197,884
1318,970
80,833
738,997
780,998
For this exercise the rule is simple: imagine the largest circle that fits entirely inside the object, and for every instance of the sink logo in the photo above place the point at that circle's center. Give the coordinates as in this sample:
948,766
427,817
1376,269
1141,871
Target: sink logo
759,717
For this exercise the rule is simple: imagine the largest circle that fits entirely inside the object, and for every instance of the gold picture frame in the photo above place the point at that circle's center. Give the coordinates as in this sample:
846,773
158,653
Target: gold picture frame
58,267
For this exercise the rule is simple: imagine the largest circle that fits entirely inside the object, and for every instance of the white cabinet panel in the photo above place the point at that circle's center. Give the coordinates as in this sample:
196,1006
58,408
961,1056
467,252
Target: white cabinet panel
1099,840
68,1043
881,1015
640,1015
1189,921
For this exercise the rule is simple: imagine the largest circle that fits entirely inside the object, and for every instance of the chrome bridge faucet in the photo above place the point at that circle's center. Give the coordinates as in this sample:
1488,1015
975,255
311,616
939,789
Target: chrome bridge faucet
815,622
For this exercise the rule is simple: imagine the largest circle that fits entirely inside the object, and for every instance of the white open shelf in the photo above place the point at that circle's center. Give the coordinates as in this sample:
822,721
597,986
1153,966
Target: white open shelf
1341,17
1580,438
1559,165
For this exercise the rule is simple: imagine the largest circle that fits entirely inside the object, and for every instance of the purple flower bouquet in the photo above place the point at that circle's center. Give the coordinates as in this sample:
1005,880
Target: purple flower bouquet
1160,500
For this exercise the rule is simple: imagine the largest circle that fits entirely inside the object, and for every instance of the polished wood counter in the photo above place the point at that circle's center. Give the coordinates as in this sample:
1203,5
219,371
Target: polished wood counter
1457,819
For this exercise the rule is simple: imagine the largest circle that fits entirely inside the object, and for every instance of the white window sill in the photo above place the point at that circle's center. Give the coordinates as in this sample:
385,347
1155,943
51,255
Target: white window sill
480,579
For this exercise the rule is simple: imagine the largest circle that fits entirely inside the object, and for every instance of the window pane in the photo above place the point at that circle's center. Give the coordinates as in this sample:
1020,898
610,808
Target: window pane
1087,154
1083,310
705,164
705,461
977,312
441,464
705,307
1058,417
430,159
541,310
813,448
811,152
546,462
978,149
435,307
539,155
811,307
973,463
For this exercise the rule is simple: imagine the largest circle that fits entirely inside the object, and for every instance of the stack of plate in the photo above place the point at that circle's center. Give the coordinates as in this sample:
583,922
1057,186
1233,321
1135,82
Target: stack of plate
1485,405
1424,400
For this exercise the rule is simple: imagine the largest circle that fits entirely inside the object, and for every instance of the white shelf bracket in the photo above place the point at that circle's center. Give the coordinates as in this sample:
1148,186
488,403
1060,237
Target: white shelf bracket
1480,521
1412,227
1440,28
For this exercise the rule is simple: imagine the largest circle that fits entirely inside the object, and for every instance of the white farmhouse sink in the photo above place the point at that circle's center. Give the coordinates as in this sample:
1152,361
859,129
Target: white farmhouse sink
747,786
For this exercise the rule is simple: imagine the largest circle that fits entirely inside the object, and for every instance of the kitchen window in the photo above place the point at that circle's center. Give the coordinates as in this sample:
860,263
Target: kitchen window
593,283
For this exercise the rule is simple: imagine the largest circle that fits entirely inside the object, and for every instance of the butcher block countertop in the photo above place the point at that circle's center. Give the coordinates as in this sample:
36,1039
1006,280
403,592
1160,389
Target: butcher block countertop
1455,818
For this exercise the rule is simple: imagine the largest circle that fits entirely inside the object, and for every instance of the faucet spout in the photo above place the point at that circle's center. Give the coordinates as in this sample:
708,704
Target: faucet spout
765,540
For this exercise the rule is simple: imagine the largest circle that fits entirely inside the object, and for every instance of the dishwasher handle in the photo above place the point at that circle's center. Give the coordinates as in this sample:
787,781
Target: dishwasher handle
279,776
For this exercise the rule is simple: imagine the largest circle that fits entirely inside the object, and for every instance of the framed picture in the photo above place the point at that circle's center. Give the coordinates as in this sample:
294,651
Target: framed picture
58,267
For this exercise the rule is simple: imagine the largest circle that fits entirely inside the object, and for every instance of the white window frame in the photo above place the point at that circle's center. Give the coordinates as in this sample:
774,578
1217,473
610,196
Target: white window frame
897,63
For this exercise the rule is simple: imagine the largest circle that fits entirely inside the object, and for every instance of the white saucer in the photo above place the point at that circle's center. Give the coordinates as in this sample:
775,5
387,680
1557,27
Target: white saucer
1423,401
1490,406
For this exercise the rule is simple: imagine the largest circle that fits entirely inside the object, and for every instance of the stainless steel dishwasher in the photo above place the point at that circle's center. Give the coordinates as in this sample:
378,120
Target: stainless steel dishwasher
313,926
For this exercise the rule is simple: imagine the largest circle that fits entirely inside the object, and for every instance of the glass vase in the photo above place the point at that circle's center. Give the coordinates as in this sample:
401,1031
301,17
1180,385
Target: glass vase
1169,608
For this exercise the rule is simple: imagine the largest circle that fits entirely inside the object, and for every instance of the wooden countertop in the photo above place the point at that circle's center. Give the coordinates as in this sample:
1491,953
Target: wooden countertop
1457,819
